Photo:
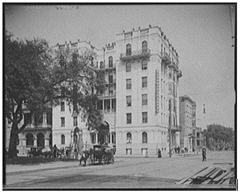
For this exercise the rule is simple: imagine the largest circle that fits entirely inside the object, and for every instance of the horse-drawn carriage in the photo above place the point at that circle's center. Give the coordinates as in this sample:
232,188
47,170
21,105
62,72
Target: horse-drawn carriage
42,152
98,154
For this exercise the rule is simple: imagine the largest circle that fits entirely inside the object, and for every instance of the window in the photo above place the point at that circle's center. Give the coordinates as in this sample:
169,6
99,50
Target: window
144,117
75,121
100,105
144,82
62,139
40,140
129,151
144,64
101,65
128,84
49,117
129,137
113,137
128,49
129,118
144,99
27,118
29,139
144,137
198,134
110,61
62,106
107,104
129,101
198,142
38,118
62,122
111,91
144,46
114,105
128,67
93,138
110,77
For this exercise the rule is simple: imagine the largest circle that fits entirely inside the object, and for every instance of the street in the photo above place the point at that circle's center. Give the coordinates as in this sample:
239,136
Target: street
124,173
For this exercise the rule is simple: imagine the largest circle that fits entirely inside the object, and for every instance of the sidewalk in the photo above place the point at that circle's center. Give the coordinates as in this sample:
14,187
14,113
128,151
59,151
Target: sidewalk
16,168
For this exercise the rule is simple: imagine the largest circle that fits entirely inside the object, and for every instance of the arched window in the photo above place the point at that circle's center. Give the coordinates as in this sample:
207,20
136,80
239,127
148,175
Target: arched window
62,139
128,49
129,137
144,137
101,65
144,46
93,138
29,139
40,140
110,61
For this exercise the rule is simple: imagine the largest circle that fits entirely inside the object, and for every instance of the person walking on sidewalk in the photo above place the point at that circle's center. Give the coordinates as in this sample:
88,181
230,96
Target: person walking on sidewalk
204,154
159,153
55,151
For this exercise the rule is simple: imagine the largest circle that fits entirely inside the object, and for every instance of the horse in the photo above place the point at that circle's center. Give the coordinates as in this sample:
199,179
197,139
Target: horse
84,157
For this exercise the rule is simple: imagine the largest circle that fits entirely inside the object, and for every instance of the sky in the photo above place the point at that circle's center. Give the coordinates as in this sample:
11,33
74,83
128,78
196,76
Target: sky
201,34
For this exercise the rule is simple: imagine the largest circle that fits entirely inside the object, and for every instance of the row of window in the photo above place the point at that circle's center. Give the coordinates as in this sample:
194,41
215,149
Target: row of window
144,117
129,48
37,118
40,140
75,121
129,83
144,100
107,104
110,63
144,66
144,137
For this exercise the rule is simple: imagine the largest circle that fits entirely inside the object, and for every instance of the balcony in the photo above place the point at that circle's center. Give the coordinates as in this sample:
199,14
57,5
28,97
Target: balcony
166,58
139,54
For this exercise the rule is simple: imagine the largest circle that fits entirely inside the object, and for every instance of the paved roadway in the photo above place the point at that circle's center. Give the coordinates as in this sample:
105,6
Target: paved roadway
124,173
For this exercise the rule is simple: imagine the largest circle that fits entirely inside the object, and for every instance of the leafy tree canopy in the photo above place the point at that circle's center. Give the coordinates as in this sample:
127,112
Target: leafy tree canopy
27,81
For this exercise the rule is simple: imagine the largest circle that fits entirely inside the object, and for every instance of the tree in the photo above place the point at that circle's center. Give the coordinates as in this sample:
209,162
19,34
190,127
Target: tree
76,78
219,137
26,82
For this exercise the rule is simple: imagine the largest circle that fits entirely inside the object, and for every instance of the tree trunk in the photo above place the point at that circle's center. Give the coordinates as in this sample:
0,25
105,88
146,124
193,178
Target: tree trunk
12,151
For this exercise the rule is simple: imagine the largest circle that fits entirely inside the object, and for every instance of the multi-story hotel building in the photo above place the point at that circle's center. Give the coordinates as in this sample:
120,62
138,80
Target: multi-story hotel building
147,83
140,102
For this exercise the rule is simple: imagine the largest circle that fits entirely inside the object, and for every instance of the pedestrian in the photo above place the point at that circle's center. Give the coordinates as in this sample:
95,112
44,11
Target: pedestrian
159,153
55,151
204,154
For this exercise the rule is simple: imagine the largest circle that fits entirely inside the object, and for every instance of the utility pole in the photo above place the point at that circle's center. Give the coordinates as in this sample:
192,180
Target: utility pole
170,129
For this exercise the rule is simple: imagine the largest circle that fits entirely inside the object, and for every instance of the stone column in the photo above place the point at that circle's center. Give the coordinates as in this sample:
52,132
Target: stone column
110,137
96,137
35,141
46,142
44,118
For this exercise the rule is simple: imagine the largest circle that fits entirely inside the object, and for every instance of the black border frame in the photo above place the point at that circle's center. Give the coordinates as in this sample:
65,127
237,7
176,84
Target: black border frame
121,3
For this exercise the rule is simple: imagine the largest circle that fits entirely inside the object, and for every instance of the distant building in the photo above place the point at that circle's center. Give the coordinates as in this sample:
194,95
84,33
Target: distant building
198,139
187,122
